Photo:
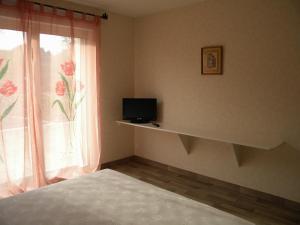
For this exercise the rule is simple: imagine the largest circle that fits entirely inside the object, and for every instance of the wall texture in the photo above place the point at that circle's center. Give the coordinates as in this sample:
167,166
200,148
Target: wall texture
116,82
258,97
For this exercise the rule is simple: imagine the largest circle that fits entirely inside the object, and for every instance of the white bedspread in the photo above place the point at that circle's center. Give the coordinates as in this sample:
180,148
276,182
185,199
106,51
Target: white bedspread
108,198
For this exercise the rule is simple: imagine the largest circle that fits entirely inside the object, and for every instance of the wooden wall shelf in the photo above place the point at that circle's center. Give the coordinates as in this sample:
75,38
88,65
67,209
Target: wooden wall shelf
186,138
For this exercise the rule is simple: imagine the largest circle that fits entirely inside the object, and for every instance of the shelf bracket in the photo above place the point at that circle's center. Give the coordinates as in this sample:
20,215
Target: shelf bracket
236,149
186,142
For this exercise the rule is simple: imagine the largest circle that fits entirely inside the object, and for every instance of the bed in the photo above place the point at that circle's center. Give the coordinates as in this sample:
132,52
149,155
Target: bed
108,197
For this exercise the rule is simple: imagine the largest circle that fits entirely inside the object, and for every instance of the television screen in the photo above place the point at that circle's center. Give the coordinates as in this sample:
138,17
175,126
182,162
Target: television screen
139,110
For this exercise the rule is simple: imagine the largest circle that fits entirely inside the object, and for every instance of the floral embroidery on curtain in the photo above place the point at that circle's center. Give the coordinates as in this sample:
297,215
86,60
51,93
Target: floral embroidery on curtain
70,96
6,89
72,89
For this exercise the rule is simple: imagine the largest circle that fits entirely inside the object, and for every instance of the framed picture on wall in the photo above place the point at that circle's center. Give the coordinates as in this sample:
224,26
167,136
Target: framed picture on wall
212,60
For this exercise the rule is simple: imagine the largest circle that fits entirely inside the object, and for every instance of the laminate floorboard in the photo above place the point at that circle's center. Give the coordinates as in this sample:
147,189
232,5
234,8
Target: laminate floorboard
255,206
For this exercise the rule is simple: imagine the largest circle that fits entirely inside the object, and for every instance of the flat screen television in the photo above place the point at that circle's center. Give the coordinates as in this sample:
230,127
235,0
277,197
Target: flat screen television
139,110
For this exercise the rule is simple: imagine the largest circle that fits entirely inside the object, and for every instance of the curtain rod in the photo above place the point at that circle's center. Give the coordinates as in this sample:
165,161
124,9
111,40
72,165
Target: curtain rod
72,6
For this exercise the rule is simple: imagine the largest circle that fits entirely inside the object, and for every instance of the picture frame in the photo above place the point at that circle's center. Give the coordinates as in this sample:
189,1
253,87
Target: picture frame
212,60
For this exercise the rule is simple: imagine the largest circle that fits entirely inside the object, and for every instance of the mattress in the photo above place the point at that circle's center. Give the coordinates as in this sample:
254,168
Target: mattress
108,197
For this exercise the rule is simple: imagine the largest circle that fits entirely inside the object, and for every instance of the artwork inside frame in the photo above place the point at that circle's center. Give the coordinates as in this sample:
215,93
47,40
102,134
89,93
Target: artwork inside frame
212,60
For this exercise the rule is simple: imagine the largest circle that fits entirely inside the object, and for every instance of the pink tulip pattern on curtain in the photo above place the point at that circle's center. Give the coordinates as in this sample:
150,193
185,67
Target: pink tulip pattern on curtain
49,95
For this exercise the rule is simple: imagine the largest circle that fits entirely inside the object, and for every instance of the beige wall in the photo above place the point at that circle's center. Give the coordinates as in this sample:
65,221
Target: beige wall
258,97
116,82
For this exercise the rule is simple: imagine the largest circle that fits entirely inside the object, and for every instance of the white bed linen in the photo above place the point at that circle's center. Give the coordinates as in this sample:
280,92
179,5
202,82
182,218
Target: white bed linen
108,197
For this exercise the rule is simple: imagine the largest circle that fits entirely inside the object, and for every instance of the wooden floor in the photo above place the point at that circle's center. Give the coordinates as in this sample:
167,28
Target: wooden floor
258,207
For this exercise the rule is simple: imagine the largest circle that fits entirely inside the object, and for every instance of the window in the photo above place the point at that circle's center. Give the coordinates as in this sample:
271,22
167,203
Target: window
49,115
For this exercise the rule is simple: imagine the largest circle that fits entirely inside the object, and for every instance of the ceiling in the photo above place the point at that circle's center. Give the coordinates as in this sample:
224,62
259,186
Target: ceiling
136,8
